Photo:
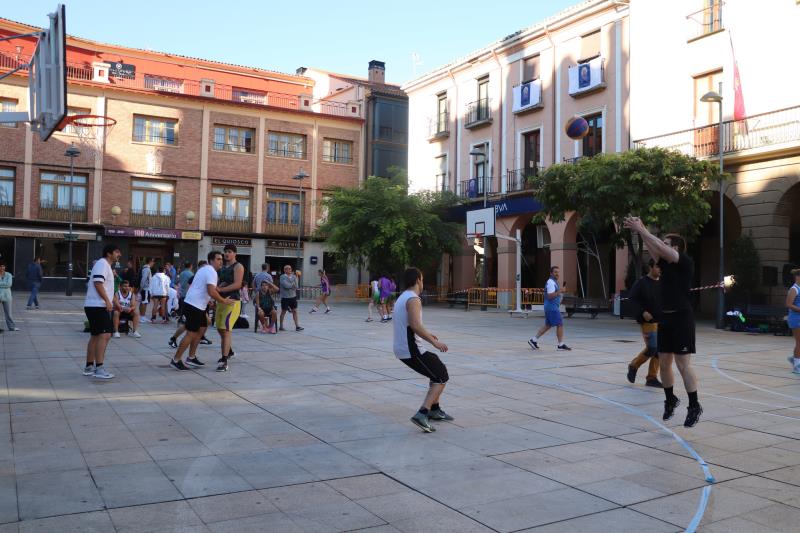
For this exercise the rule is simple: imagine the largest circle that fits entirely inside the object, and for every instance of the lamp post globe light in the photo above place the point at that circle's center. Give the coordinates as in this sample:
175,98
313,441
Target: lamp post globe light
476,153
72,153
300,176
711,97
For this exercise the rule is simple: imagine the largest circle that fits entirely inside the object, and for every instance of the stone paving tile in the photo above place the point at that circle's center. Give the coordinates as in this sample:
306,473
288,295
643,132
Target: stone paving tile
310,432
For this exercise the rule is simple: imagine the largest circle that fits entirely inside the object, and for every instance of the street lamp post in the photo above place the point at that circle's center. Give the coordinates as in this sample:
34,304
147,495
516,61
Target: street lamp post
72,153
300,176
712,96
475,152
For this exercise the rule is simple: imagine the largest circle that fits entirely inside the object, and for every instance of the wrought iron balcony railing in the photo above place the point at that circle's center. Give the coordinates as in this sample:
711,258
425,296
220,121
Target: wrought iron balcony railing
757,131
476,187
152,219
231,224
478,113
6,210
439,126
705,21
519,179
49,211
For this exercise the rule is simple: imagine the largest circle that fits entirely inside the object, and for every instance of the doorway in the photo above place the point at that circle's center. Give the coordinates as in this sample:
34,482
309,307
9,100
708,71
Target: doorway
530,153
140,253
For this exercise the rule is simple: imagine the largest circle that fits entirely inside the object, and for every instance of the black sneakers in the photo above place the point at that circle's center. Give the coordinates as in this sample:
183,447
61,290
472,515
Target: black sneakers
564,348
298,328
194,362
178,365
222,365
173,343
669,407
439,414
231,353
693,415
204,340
533,344
632,373
653,383
421,421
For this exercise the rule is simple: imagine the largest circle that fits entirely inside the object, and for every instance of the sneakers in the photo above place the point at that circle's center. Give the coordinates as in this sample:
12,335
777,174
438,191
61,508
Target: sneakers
135,334
313,310
653,383
102,373
795,367
439,414
144,320
669,408
421,421
632,373
88,370
178,365
173,342
328,311
298,328
368,320
563,347
194,362
116,335
204,340
222,365
28,307
231,353
693,415
533,344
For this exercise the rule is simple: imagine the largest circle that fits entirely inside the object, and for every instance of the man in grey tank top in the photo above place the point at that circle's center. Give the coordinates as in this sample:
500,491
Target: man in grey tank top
408,331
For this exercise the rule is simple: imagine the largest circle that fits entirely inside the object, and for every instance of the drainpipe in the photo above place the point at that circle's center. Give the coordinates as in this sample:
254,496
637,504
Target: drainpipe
502,136
555,90
455,106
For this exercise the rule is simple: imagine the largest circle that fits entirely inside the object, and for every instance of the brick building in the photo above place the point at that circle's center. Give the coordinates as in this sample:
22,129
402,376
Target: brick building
203,153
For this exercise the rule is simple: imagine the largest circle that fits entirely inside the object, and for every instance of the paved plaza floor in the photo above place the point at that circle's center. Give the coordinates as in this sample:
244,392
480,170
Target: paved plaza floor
310,431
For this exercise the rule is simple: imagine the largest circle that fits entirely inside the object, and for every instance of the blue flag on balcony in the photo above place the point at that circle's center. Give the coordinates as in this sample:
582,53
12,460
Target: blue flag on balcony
472,191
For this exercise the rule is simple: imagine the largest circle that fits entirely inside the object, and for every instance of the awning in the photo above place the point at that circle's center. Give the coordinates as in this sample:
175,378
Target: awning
46,233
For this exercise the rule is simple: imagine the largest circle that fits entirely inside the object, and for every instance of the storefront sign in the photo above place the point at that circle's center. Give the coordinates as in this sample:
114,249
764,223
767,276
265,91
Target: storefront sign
154,233
273,243
222,241
511,206
46,233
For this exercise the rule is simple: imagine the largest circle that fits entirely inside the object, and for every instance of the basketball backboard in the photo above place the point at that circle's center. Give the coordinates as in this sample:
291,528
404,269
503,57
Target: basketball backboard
481,221
47,79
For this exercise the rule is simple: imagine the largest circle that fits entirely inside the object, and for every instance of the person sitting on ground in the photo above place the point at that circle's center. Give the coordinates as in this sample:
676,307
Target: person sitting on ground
266,308
125,308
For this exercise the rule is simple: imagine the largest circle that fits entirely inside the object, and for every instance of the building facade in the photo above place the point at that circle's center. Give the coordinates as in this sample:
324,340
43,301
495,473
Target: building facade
202,154
481,125
385,110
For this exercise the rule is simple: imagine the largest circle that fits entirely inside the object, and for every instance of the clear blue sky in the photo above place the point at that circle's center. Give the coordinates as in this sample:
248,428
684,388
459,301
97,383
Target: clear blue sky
283,35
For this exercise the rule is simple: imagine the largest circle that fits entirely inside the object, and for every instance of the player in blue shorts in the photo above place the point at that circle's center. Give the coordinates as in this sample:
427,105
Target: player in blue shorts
552,312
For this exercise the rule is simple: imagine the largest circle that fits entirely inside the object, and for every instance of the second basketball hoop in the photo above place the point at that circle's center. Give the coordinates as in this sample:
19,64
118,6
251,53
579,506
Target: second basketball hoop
91,129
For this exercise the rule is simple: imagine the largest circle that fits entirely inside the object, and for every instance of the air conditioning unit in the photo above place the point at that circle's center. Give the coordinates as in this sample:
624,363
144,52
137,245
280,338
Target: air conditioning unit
542,237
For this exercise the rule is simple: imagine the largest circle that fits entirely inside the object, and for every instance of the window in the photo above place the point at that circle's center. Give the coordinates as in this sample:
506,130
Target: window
7,176
54,196
335,151
593,142
71,128
530,151
483,99
704,112
230,139
249,97
55,253
283,207
440,166
390,122
230,203
8,105
154,198
480,164
287,145
590,46
167,85
712,16
441,112
530,68
154,130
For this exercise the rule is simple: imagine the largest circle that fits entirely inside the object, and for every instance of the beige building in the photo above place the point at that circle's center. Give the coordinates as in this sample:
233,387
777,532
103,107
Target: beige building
510,101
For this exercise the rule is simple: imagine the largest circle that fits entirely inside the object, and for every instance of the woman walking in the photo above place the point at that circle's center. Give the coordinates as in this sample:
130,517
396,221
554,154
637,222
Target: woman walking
793,304
325,291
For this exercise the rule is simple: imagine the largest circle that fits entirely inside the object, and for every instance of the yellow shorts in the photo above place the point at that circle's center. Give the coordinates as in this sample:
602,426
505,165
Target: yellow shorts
226,315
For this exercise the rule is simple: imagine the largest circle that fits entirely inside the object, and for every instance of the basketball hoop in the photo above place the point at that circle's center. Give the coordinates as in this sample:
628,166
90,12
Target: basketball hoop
91,129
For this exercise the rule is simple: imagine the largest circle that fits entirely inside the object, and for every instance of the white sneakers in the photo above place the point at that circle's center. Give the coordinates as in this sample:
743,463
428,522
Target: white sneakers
135,334
116,335
101,373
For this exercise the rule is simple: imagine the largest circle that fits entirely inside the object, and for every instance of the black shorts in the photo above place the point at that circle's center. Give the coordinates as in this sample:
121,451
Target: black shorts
126,316
195,318
676,333
289,303
145,297
99,320
429,365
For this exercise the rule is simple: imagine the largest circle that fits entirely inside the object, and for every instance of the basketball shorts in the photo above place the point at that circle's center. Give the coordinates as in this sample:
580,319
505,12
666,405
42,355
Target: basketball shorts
227,315
195,319
429,365
99,320
676,333
145,297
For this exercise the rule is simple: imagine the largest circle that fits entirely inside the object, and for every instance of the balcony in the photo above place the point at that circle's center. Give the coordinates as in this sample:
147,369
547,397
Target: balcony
519,179
84,73
439,127
766,132
50,211
231,224
704,22
7,210
442,182
586,78
281,229
479,113
152,219
476,187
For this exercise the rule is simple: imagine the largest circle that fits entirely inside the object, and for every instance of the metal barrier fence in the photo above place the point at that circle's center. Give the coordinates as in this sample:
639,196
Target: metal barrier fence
505,299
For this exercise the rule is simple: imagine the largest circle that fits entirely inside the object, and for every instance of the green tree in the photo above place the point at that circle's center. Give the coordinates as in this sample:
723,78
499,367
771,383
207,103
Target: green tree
389,229
746,265
668,190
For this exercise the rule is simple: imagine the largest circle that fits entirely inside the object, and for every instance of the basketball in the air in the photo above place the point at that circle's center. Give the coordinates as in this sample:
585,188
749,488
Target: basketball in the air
577,128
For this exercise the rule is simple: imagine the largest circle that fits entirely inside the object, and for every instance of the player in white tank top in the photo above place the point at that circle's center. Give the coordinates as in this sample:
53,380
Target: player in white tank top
409,332
125,304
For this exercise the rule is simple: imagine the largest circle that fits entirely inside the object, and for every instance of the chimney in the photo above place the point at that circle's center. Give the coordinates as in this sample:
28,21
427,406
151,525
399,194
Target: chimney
301,71
377,72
